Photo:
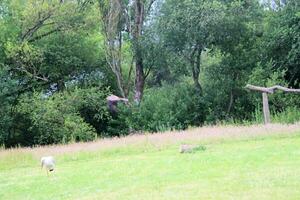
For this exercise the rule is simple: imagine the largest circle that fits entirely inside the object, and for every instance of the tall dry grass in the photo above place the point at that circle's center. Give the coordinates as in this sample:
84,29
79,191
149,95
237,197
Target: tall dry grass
193,135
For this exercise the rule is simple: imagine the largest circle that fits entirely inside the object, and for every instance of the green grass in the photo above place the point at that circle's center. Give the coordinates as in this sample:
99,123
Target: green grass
259,168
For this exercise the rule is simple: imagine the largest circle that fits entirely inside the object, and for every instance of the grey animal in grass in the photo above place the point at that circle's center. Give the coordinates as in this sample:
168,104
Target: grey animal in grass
188,148
48,163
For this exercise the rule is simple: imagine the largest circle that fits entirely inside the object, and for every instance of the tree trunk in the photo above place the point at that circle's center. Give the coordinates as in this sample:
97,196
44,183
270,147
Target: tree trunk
119,67
139,76
60,85
139,81
230,102
196,63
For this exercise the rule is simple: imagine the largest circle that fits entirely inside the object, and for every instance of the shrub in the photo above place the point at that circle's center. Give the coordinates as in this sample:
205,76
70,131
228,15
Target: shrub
75,115
80,130
289,115
8,96
168,107
91,104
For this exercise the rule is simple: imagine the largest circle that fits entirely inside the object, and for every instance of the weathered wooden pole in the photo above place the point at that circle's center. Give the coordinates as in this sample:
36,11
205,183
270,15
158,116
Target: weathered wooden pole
270,90
266,108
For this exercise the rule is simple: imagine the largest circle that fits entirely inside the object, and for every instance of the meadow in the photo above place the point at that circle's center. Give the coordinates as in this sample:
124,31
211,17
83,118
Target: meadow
238,162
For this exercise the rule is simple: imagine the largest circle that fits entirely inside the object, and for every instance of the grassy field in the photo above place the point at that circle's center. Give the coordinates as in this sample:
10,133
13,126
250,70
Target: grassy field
254,162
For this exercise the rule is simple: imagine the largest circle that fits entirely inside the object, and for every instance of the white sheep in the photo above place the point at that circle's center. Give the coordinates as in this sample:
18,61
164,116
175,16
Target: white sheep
48,162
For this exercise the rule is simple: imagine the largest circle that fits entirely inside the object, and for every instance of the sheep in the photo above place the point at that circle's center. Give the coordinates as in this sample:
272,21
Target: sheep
48,162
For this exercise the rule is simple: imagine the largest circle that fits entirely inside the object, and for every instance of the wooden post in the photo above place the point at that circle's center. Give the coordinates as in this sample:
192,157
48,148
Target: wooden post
270,90
266,109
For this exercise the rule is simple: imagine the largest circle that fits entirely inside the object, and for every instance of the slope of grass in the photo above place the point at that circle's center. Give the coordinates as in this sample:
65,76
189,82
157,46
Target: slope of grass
260,167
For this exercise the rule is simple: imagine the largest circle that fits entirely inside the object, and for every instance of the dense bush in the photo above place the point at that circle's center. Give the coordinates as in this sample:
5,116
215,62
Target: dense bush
168,107
7,102
76,115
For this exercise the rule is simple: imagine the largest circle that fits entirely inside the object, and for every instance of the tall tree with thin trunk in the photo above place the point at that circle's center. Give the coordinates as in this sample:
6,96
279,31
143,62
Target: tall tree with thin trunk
119,18
139,68
112,13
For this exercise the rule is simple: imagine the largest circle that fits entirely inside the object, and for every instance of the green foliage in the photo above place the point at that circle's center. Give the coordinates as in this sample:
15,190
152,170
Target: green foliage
91,104
289,115
64,117
56,42
7,101
281,44
186,23
165,108
267,77
223,80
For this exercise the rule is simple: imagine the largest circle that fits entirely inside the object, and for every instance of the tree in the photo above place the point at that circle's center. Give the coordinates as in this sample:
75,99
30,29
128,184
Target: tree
125,18
281,43
187,29
52,43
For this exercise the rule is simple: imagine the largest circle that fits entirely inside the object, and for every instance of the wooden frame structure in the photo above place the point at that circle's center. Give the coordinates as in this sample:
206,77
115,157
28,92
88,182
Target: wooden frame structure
270,90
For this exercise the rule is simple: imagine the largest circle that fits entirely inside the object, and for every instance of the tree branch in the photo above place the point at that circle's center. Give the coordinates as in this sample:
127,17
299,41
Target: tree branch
32,75
36,27
44,35
272,89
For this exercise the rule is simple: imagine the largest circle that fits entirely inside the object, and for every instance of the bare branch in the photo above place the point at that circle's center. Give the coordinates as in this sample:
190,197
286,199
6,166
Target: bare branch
44,35
278,87
36,27
272,89
260,89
